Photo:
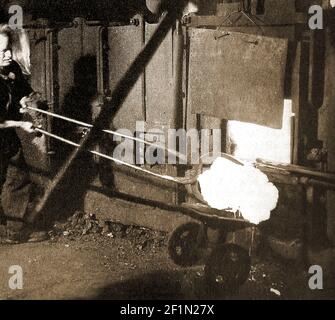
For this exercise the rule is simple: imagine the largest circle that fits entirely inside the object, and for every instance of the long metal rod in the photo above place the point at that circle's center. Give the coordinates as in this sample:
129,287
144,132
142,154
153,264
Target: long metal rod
120,93
58,116
317,183
298,170
114,133
91,23
102,155
60,25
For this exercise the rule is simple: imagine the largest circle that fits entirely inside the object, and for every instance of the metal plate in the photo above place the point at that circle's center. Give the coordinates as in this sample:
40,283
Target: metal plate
238,76
68,55
125,43
159,84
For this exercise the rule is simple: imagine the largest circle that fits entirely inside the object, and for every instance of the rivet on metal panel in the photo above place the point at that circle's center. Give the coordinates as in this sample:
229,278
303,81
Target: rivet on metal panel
135,22
76,22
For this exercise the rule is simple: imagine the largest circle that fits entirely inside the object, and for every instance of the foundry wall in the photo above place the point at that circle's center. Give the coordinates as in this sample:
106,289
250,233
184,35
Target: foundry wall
76,62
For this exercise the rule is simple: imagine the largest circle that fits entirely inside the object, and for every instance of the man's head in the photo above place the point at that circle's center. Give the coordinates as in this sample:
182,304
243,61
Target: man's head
5,46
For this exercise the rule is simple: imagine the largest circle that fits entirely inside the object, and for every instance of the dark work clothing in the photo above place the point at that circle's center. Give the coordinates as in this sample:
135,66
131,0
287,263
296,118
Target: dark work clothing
16,186
13,87
14,180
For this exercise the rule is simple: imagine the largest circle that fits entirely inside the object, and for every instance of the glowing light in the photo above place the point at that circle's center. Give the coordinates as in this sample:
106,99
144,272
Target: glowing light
229,186
191,7
252,141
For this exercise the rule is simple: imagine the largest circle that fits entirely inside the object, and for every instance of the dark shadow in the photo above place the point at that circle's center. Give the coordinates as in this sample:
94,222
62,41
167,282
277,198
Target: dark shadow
112,10
260,9
151,286
66,10
69,196
78,101
186,285
76,105
159,285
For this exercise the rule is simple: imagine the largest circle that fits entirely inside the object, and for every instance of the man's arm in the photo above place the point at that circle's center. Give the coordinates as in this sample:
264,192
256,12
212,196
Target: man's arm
24,90
24,125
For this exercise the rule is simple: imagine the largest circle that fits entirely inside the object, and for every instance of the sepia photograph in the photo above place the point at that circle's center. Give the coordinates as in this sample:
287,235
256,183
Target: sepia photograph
167,150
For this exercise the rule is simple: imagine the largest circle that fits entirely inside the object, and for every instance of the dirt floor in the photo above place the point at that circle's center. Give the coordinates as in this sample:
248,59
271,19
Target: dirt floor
90,260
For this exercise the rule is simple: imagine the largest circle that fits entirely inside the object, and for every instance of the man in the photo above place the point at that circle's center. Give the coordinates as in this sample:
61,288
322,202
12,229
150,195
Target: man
15,186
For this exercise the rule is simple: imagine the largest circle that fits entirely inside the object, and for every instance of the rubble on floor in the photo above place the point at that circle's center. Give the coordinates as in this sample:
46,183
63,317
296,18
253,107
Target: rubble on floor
81,224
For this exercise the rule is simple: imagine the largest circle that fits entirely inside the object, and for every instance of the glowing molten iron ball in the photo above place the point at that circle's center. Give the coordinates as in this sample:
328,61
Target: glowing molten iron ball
229,186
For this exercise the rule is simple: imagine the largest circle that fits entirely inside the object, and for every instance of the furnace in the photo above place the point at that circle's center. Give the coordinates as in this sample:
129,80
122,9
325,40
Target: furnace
208,121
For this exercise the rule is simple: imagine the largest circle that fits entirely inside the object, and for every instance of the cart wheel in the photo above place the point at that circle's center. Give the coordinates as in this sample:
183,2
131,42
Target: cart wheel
228,267
185,244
